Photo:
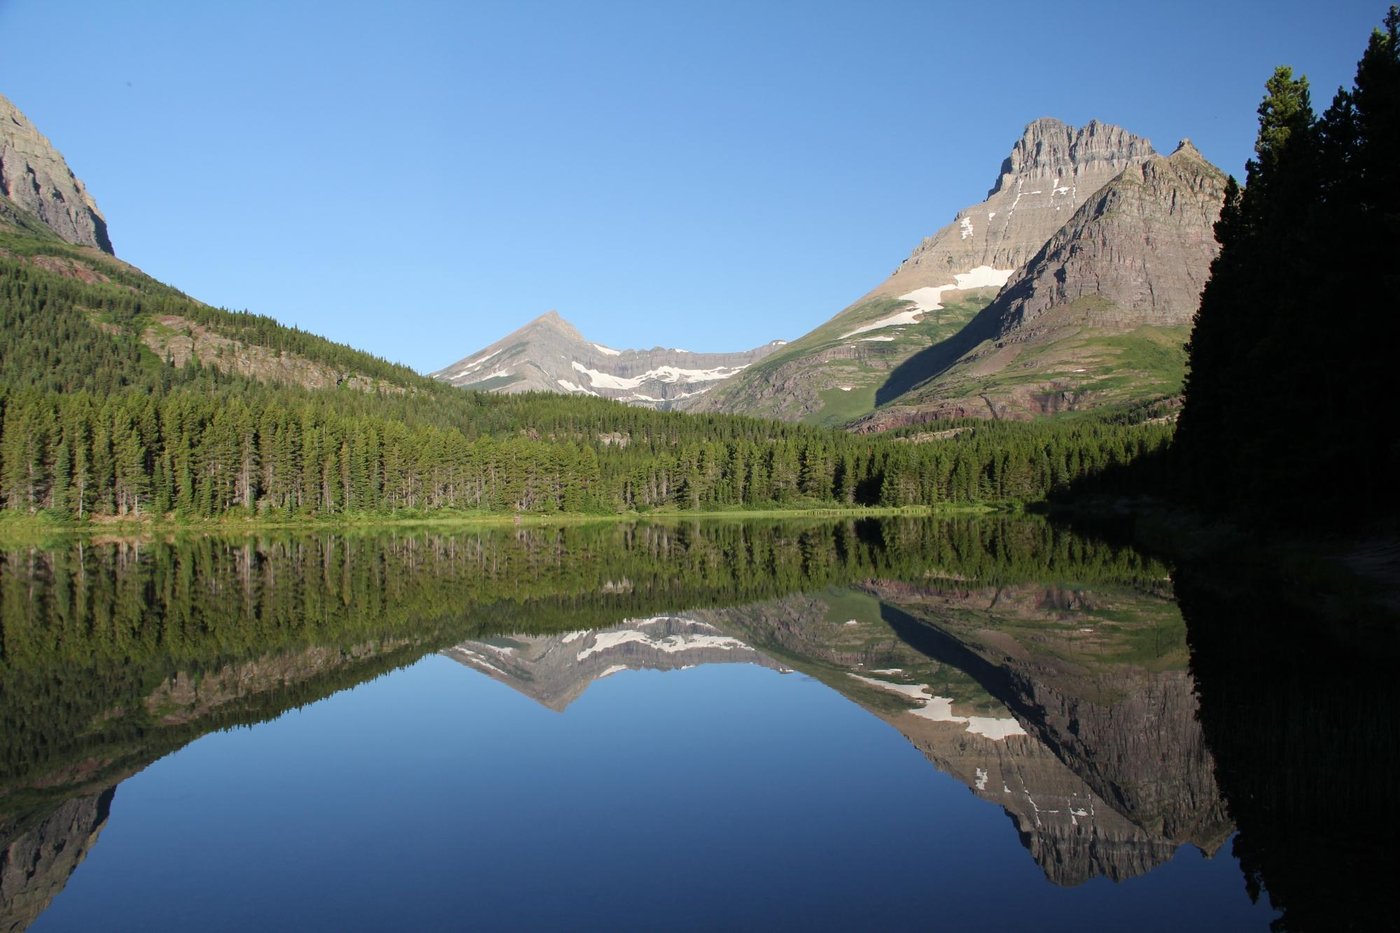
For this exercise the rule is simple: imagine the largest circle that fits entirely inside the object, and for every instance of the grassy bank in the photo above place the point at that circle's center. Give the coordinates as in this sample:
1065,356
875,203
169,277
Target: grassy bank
42,529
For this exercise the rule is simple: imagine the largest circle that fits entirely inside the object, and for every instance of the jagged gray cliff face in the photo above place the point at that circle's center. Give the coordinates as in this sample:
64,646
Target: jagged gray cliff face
847,366
550,355
1143,244
35,178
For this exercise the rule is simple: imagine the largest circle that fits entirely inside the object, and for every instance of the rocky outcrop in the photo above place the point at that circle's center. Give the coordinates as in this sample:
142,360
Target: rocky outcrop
550,355
177,341
35,178
36,863
1052,170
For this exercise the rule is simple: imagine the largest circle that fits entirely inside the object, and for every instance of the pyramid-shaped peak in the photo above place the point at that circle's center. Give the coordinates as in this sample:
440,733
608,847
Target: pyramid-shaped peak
552,320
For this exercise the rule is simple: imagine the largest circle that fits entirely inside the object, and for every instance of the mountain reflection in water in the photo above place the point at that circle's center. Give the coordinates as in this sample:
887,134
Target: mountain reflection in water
1071,710
1046,673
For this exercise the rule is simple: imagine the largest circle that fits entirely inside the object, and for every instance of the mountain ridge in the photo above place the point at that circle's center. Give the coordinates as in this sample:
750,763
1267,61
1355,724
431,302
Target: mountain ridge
549,354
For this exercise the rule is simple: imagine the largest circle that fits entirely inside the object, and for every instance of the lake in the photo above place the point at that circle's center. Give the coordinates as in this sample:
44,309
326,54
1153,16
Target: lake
893,724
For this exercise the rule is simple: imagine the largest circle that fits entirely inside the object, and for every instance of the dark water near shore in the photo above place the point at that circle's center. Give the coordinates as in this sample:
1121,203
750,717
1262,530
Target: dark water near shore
897,724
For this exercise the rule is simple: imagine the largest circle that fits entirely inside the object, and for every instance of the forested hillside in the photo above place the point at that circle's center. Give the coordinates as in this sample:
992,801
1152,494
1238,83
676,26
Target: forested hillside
93,423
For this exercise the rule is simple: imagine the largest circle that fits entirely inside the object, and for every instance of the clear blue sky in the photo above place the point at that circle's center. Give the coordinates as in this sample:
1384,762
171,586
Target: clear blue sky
419,178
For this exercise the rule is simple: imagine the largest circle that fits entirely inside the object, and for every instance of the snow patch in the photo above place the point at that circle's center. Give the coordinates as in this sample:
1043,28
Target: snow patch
606,351
965,227
930,298
574,387
876,339
669,374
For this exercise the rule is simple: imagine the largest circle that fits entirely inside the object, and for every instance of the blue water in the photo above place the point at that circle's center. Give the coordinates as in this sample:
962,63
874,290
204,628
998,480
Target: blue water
721,796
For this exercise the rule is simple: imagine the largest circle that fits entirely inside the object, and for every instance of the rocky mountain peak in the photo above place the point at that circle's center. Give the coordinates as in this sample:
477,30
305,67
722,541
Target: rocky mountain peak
1051,171
551,320
35,178
550,355
1049,148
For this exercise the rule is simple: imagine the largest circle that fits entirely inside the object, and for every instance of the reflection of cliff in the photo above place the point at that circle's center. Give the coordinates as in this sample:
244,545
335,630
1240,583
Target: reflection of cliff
36,862
1071,710
1100,677
554,670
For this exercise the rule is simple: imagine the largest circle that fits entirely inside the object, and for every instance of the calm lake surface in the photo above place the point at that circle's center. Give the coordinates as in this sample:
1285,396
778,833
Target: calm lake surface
900,724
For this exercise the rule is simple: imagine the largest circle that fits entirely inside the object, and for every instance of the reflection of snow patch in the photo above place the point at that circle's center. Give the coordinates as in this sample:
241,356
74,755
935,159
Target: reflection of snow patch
612,670
573,636
940,709
845,388
981,779
671,644
853,622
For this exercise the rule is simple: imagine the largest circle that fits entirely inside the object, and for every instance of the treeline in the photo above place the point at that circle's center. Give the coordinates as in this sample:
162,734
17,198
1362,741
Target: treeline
1285,418
94,425
257,450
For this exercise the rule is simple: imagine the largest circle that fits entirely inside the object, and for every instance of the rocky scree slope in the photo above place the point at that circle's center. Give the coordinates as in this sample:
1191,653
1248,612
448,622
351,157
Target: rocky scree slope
550,355
841,370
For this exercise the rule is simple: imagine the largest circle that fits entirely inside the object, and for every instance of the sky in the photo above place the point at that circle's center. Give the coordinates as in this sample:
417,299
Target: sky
417,179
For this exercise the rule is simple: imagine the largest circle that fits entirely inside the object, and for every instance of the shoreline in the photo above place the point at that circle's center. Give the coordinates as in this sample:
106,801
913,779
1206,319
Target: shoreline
39,530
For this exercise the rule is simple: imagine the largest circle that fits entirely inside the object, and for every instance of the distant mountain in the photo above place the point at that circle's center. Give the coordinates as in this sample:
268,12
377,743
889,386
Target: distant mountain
1099,315
550,355
37,185
837,372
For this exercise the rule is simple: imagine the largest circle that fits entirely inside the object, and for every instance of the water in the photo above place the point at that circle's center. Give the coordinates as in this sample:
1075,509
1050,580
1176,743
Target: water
899,725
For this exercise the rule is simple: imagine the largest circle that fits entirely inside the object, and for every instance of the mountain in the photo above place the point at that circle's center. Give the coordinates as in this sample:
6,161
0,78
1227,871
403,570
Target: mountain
550,355
835,373
38,185
1099,315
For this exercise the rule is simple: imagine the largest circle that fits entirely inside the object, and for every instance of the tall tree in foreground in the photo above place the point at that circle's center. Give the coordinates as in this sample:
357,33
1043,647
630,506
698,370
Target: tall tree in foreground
1286,418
